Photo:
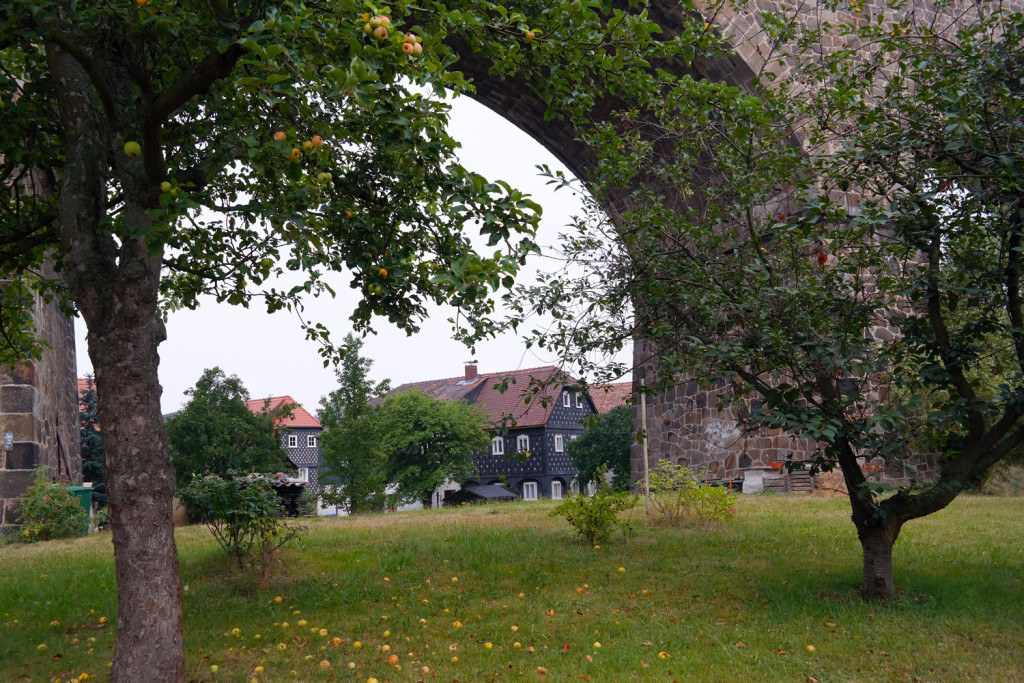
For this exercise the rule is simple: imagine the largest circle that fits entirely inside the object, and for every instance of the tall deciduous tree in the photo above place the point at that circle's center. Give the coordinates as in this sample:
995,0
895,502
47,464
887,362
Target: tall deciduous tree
428,442
216,433
605,444
354,471
313,143
858,285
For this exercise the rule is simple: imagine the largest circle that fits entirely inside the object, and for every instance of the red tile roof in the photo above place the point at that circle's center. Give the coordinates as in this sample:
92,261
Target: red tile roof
608,396
482,391
300,416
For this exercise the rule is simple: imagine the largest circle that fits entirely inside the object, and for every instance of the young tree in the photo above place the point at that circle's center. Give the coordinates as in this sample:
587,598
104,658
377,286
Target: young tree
860,284
354,471
428,442
604,445
92,442
216,433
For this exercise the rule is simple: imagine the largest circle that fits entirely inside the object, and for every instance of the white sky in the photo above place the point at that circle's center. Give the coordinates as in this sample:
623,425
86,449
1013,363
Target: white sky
269,352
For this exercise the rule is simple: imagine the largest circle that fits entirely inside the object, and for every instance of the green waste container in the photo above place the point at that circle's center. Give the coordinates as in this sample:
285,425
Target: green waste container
84,494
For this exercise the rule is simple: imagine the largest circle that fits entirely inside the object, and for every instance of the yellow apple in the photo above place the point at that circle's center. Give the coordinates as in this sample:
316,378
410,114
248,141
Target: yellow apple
132,149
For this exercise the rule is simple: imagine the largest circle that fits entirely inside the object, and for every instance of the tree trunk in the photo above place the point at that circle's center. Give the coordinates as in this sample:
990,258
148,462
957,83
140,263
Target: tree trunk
150,643
876,542
115,284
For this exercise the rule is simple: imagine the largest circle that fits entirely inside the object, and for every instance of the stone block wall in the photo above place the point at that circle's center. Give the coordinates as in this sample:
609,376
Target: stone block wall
39,408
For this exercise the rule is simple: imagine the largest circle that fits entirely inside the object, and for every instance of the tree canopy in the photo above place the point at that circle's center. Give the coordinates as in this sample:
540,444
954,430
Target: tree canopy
354,472
837,253
216,433
605,445
428,442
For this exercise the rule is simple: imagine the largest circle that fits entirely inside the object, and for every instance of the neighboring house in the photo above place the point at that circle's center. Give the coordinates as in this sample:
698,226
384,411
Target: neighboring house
301,438
528,448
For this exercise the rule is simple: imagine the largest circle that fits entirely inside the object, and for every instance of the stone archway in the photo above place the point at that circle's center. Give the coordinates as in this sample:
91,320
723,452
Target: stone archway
514,100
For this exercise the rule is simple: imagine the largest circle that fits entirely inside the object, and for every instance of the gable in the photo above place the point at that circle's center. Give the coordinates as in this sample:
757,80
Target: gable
300,417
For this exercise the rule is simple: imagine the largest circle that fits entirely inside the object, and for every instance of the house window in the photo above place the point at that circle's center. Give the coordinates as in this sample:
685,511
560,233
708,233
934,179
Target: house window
529,490
556,490
567,400
498,446
304,474
293,441
523,443
559,443
579,400
311,441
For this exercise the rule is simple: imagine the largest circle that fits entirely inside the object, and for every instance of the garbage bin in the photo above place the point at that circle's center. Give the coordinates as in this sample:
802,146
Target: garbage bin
84,495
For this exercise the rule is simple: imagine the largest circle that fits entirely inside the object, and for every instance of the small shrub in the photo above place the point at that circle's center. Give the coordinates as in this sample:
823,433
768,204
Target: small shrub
50,511
243,513
595,517
677,493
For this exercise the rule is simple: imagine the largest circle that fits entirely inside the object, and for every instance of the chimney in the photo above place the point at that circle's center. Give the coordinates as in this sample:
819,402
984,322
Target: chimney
470,371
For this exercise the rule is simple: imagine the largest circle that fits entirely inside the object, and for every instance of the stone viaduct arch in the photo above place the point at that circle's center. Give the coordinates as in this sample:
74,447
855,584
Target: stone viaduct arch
683,425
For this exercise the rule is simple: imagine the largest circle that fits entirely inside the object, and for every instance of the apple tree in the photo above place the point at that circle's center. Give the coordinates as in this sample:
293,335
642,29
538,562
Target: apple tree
163,152
837,251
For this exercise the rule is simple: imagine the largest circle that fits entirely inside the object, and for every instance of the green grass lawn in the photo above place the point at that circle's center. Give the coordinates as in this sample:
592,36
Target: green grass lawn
744,601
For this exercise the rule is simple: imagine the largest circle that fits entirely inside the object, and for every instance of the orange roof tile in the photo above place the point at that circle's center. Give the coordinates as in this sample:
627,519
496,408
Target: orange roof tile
482,391
300,416
608,396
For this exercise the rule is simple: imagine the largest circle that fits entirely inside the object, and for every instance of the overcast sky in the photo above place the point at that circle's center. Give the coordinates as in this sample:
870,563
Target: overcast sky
269,352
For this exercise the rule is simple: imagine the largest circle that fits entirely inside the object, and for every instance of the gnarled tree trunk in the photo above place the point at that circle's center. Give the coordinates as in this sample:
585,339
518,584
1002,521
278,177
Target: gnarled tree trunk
115,286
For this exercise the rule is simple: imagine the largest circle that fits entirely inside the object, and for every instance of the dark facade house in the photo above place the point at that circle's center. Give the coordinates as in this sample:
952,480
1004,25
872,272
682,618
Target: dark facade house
530,438
301,438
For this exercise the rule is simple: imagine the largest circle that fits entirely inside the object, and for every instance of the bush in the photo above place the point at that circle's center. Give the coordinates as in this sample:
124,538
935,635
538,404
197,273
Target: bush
677,493
594,518
50,511
244,514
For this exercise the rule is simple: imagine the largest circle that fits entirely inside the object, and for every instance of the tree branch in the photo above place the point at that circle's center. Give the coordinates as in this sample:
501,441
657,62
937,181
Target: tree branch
196,81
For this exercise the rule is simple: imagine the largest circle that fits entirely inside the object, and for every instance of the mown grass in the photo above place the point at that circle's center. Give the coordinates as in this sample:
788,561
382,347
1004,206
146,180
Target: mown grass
738,602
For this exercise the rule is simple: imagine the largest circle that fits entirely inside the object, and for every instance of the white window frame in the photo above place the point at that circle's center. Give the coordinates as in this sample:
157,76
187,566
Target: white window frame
311,441
498,446
529,490
523,443
559,443
567,400
579,400
304,474
293,441
556,490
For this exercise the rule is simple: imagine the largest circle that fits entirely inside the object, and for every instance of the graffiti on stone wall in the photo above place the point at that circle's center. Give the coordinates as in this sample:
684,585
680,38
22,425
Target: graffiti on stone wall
719,435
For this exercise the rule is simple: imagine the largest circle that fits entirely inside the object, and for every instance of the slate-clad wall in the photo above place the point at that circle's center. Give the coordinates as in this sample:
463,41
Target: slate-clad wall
302,455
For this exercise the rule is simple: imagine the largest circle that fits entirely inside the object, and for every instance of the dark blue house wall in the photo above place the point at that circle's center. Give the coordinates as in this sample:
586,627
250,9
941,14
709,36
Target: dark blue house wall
545,464
303,455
